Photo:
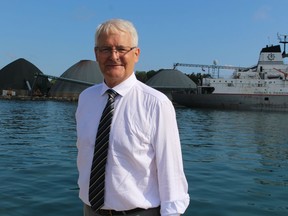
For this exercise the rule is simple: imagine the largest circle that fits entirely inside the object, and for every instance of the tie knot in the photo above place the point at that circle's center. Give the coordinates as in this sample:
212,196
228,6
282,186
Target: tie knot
111,93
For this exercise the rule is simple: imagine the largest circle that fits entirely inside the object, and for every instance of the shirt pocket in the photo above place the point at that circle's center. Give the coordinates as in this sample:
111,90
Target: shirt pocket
130,139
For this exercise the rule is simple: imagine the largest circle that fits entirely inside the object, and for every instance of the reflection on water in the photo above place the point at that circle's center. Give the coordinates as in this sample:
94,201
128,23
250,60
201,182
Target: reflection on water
235,162
37,158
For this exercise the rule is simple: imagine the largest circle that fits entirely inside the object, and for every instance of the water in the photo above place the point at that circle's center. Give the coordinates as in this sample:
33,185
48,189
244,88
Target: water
236,162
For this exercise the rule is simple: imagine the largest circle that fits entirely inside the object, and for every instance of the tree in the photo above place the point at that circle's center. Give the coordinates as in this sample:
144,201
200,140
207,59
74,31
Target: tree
141,76
144,76
196,78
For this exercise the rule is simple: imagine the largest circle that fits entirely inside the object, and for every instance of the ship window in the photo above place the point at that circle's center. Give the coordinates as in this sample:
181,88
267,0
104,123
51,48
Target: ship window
266,99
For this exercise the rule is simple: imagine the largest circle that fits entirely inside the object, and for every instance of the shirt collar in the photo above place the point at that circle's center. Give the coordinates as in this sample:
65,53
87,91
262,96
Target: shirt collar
122,88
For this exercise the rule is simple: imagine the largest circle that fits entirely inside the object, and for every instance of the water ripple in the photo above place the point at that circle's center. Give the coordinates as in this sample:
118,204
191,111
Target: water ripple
235,162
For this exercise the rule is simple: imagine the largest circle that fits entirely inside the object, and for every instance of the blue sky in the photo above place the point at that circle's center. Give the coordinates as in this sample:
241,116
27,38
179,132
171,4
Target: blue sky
55,34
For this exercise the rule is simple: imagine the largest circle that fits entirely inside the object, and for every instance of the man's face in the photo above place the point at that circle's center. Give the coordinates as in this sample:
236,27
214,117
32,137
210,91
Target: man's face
116,57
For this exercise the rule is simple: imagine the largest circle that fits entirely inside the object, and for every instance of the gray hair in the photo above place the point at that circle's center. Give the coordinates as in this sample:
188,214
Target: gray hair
117,25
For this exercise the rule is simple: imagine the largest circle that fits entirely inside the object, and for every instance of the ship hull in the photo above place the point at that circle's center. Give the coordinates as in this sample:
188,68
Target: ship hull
233,101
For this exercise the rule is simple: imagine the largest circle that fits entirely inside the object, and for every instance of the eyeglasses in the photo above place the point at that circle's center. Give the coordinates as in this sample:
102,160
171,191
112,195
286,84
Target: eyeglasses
121,50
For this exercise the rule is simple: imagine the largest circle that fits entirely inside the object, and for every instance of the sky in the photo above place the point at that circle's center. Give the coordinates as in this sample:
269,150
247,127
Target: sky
56,34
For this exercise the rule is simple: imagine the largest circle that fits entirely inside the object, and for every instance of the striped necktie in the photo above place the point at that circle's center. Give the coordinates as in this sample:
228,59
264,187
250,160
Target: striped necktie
97,176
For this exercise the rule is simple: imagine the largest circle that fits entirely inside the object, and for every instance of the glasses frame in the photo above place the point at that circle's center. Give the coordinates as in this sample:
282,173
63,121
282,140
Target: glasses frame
120,50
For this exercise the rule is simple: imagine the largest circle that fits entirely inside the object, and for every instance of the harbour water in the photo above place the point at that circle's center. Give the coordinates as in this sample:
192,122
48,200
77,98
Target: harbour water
236,162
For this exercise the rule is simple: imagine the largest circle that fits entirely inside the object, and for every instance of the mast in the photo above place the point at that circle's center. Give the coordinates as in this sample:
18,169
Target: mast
283,39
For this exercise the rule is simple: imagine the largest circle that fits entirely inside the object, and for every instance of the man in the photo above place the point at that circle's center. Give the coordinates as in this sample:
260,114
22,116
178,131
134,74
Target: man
143,169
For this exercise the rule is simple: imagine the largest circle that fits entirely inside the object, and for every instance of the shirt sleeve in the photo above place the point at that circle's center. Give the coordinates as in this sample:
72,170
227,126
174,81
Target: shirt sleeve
173,186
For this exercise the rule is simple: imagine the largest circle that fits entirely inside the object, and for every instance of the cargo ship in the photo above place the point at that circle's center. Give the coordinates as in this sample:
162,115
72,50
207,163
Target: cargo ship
263,87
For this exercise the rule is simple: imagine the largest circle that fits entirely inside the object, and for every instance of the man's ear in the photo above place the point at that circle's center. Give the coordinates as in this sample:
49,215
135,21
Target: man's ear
137,54
95,53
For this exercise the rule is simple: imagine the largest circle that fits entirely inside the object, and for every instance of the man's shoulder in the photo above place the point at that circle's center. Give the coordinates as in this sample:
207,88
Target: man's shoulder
151,92
92,90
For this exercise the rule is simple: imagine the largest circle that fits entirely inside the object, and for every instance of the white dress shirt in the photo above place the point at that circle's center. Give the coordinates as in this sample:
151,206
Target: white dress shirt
144,166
